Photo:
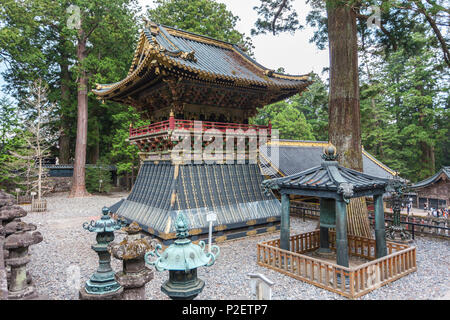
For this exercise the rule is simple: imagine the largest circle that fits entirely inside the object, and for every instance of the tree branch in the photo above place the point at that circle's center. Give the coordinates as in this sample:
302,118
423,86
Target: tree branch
383,29
282,6
436,30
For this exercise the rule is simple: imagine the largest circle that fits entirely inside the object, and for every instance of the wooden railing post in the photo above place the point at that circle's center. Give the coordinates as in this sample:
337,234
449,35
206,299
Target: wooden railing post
171,121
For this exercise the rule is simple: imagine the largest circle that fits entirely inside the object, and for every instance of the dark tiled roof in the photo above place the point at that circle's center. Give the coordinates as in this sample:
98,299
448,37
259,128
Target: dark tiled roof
296,156
116,206
162,190
70,166
329,177
424,183
201,58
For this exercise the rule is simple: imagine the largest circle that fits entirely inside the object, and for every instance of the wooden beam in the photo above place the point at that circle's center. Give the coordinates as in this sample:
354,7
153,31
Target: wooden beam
285,222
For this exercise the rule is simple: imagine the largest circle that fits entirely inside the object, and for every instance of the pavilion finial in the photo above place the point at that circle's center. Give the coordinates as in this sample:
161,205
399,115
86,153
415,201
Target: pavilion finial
150,25
329,153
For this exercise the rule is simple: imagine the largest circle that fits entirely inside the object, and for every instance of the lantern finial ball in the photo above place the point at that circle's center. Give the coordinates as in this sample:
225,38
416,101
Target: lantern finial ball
329,153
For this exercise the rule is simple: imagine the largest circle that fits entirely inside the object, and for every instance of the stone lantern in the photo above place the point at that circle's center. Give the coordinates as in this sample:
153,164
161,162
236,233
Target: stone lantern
131,251
10,215
397,188
181,259
102,285
17,242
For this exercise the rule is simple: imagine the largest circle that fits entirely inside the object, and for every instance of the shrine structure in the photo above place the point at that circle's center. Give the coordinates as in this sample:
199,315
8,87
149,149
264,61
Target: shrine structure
188,85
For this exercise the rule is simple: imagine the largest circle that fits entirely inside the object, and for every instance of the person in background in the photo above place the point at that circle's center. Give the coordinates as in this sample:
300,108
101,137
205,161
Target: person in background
433,212
408,207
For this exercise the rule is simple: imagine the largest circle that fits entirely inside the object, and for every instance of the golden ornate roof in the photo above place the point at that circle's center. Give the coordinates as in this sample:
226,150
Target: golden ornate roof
164,52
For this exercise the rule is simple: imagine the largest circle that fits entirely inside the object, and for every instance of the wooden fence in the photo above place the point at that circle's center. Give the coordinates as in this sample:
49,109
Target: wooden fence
305,209
360,280
431,226
38,205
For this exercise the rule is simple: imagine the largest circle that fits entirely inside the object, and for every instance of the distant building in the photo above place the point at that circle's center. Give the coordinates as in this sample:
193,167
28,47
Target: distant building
297,155
435,190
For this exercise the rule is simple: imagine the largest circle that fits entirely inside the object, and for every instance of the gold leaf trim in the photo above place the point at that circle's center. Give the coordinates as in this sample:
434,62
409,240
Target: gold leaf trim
220,228
220,239
194,232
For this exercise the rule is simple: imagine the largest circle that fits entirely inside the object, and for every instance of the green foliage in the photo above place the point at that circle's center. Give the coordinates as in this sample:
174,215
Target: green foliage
98,178
35,41
10,140
292,124
205,17
123,154
403,108
404,76
302,117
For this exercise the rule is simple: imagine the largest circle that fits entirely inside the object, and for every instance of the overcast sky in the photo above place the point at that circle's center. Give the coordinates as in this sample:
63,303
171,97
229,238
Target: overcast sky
292,52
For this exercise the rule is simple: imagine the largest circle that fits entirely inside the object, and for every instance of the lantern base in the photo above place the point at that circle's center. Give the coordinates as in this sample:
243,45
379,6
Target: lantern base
115,295
183,290
398,234
102,283
29,293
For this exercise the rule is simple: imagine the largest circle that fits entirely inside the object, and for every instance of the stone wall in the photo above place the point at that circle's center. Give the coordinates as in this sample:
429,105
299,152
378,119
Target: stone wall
3,281
58,184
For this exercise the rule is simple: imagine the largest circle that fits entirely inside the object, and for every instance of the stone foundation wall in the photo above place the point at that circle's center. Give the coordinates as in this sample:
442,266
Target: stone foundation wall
58,184
3,283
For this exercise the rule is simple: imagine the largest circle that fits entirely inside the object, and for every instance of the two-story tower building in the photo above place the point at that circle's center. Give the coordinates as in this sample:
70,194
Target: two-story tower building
187,84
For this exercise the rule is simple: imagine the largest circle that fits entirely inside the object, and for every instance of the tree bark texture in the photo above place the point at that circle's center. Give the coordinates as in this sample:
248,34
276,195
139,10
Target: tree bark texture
79,171
344,128
64,138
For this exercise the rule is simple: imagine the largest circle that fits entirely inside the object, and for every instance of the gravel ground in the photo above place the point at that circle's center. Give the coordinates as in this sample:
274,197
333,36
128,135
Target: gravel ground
66,248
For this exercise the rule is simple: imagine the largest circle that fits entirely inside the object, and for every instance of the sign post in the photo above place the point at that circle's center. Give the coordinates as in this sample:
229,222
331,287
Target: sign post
260,286
210,217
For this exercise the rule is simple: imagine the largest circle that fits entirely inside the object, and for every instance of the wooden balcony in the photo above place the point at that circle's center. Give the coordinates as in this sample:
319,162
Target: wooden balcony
172,124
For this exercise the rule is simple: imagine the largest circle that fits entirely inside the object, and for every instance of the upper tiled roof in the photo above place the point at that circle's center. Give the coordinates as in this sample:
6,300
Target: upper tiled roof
296,156
198,57
445,171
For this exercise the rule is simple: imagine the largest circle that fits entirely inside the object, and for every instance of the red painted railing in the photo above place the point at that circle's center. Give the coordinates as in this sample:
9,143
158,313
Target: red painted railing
173,124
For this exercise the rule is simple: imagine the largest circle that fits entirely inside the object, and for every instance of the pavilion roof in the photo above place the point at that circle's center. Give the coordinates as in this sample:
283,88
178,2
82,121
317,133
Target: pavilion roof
294,156
329,179
164,52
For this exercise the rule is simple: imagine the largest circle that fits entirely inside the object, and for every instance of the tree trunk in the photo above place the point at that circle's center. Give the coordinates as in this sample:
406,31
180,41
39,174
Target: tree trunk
344,112
64,138
79,171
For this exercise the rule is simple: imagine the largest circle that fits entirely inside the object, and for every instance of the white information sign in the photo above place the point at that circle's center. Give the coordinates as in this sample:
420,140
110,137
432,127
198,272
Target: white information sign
210,217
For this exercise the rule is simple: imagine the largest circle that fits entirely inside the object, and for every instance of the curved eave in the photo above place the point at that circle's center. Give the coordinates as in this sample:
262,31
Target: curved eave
425,183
